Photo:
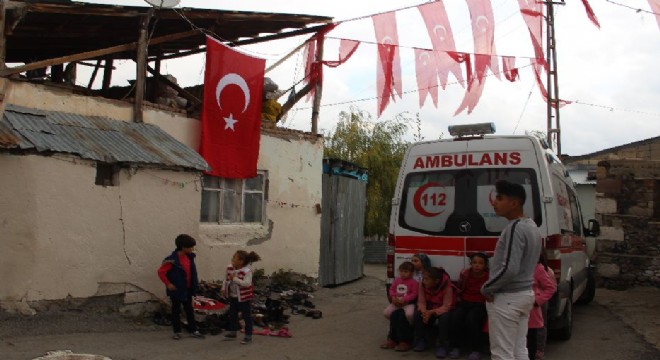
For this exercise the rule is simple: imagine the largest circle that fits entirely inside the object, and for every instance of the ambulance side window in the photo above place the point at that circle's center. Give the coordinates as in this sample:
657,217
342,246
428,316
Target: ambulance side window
575,213
564,213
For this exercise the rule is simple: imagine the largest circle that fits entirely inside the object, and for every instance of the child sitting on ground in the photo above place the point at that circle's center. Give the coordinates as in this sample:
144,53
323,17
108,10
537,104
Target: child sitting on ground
403,295
435,300
421,262
468,318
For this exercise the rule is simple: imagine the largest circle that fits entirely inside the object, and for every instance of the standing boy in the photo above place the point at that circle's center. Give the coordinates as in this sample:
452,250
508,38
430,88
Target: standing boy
179,274
508,290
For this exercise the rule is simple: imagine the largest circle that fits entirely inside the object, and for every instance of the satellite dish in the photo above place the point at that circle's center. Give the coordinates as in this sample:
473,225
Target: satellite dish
163,3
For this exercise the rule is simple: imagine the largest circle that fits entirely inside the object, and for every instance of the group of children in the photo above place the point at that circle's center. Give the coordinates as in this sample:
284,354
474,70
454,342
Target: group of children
427,309
179,274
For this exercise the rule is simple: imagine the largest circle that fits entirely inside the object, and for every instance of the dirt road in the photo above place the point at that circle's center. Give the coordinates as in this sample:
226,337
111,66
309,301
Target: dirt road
352,327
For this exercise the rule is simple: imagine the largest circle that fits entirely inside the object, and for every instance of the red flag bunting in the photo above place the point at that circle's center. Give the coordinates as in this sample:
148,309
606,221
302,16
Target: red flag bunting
476,83
442,38
388,69
538,69
427,81
509,68
655,7
231,113
483,32
346,50
590,13
531,12
310,57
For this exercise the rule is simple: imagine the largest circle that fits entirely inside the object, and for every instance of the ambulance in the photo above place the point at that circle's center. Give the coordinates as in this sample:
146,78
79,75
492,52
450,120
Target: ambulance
442,206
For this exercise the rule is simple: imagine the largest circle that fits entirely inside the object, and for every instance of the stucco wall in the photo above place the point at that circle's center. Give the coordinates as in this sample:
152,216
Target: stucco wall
64,235
67,236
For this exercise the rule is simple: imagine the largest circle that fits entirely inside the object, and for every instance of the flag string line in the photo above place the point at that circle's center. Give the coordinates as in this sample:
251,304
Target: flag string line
421,48
412,91
637,10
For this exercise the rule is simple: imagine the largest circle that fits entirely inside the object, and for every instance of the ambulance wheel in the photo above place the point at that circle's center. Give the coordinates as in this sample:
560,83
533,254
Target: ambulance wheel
590,291
566,332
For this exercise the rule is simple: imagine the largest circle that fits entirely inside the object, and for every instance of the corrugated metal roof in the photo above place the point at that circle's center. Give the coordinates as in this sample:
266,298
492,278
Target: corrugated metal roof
94,137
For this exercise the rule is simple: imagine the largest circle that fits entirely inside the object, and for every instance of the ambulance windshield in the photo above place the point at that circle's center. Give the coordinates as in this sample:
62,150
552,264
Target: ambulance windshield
459,202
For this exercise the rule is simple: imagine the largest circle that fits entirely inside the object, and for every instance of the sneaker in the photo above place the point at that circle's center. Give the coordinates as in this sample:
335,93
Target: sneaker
389,344
455,353
420,345
402,347
230,335
198,335
441,353
475,355
176,336
539,355
246,340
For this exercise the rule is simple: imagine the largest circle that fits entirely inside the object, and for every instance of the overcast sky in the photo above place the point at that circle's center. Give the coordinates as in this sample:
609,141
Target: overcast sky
612,72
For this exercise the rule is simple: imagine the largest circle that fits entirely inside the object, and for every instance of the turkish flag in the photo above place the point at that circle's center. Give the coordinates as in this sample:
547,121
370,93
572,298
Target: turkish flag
388,69
427,80
483,32
442,38
590,13
231,112
532,13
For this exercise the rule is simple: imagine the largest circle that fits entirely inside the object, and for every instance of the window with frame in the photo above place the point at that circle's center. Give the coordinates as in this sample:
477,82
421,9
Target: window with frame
227,201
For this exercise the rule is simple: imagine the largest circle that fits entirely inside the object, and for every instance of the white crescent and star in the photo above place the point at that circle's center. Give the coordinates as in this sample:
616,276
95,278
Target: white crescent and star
424,57
232,79
444,32
480,18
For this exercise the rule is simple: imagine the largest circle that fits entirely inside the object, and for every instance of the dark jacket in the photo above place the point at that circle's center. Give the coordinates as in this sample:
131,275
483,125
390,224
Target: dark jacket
177,276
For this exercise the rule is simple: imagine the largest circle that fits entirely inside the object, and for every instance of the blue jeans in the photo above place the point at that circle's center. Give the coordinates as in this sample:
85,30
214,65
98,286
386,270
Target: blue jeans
245,308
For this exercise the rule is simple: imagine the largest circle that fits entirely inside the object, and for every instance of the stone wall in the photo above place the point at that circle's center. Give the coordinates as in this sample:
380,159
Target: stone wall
627,207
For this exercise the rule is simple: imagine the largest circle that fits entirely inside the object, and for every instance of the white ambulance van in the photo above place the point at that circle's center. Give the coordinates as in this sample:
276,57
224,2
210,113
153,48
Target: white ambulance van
442,206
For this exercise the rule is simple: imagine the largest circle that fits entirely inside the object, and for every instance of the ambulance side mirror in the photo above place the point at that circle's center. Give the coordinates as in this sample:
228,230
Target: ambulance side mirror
593,228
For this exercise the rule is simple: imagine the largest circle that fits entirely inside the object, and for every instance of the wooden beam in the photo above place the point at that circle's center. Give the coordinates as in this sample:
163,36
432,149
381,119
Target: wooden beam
296,97
3,40
318,91
93,77
107,73
141,67
95,53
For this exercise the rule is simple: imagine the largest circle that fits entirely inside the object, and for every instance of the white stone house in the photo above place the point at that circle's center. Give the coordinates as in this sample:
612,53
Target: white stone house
66,232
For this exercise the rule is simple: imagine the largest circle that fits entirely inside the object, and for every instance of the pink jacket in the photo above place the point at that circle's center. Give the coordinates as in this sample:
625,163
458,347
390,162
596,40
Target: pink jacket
440,299
544,288
406,289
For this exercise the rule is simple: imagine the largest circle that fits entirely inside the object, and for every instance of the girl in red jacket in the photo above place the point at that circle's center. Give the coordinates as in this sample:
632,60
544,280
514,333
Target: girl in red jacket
544,287
468,318
435,300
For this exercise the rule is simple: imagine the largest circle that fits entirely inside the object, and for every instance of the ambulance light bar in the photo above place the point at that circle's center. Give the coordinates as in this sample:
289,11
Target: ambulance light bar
472,129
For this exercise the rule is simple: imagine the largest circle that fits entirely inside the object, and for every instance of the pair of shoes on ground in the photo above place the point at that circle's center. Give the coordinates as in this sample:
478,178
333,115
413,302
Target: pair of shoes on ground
195,334
388,344
420,345
475,355
402,347
246,340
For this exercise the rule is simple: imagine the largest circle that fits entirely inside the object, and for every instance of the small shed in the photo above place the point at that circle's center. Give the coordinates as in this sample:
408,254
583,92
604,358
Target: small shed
342,222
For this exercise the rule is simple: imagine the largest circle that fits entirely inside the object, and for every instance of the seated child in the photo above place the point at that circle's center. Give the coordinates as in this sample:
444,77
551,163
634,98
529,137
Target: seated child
434,303
468,318
403,294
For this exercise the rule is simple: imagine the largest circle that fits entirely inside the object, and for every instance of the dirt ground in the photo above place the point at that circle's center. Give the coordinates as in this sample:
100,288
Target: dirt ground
352,326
